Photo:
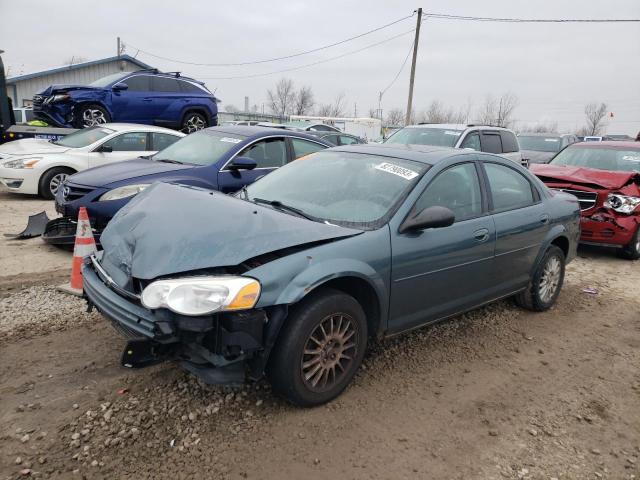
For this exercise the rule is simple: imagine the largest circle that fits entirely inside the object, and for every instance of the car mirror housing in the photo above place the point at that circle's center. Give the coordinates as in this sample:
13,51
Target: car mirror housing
242,163
105,149
430,217
120,86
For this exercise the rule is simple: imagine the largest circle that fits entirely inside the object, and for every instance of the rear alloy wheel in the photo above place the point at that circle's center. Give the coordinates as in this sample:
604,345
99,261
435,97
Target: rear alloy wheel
320,348
52,181
631,251
91,116
193,121
546,283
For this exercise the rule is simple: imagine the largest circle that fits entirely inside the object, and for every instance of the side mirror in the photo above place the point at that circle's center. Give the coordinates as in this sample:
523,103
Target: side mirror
105,149
242,163
431,217
118,87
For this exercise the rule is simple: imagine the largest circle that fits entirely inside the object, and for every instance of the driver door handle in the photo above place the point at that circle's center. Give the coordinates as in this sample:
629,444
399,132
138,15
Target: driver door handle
544,218
481,235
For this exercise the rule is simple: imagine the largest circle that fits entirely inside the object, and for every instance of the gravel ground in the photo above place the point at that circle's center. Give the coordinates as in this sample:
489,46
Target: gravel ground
497,393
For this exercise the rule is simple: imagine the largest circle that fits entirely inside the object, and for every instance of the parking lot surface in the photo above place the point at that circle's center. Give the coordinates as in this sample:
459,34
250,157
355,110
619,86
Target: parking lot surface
497,393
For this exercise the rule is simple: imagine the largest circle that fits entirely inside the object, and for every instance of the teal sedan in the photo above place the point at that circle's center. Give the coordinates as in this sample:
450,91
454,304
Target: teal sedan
292,276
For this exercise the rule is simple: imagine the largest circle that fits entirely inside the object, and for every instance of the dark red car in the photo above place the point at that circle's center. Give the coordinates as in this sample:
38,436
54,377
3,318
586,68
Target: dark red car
605,176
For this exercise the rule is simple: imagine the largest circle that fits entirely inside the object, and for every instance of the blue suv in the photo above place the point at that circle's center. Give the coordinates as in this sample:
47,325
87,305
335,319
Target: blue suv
145,96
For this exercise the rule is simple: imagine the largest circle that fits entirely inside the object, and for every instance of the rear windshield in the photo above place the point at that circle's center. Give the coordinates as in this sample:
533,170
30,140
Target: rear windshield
84,137
540,144
614,159
200,148
439,137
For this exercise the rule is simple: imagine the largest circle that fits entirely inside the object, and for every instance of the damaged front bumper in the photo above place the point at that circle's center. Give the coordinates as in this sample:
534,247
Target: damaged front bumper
222,348
608,229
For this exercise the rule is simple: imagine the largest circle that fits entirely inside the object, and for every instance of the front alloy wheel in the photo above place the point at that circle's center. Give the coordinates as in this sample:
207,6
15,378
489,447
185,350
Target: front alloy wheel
320,348
91,116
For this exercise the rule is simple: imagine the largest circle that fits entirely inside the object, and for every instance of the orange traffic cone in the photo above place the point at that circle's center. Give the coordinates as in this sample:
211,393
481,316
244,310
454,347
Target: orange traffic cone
84,246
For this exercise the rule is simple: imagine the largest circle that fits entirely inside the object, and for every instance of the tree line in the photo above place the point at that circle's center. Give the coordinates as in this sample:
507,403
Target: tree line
285,99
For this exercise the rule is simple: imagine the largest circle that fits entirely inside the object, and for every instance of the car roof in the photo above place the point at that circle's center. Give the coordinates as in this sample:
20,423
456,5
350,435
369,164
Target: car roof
427,154
125,127
543,134
621,145
456,126
256,131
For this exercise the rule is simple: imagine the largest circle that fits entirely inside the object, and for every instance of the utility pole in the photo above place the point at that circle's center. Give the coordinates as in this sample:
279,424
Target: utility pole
118,54
407,119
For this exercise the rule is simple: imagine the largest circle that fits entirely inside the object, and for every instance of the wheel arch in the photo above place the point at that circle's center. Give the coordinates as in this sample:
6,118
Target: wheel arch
195,109
559,237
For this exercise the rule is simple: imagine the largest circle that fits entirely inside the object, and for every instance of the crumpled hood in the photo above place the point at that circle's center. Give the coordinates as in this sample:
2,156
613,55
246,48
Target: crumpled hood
602,178
65,88
535,156
169,229
31,146
127,169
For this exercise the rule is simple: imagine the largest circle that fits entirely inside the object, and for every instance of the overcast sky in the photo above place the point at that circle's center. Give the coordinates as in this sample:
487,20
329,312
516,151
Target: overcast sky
554,69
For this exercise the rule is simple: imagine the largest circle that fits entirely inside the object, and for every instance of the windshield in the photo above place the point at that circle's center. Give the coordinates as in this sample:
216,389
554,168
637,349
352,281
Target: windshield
345,188
540,143
201,148
84,137
108,80
618,160
439,137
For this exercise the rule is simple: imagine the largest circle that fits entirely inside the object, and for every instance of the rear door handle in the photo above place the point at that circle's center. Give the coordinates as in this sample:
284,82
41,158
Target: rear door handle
481,235
544,218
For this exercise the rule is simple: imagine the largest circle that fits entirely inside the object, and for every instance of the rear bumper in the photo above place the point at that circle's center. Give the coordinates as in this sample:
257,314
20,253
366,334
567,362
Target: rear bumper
608,229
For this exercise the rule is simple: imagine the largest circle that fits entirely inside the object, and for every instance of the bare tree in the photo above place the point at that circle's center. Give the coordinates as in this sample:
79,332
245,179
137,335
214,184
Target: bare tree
282,100
540,127
395,117
498,111
595,118
74,59
373,113
303,101
231,109
335,109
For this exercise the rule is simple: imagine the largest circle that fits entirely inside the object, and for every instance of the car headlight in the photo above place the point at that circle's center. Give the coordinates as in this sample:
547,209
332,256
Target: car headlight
202,295
123,192
22,163
57,98
621,203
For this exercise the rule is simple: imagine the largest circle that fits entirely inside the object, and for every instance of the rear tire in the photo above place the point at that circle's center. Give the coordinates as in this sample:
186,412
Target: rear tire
631,251
192,122
320,348
546,282
52,180
90,115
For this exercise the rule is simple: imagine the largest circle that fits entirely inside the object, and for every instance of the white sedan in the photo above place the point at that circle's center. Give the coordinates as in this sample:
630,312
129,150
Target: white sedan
36,166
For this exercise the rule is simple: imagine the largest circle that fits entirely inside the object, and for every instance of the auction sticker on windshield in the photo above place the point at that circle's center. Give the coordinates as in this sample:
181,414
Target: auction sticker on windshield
230,140
405,173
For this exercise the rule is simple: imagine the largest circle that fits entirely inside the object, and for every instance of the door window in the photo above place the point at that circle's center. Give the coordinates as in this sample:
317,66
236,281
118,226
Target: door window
304,147
138,83
167,85
270,153
458,189
128,142
187,87
491,143
333,139
472,141
160,141
509,188
347,140
509,142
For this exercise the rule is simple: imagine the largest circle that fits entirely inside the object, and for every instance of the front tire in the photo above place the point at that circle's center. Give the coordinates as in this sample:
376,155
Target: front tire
631,251
546,282
90,115
52,180
193,121
320,349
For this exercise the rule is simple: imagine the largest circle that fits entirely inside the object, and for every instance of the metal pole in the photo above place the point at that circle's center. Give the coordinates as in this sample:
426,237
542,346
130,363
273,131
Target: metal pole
407,119
118,54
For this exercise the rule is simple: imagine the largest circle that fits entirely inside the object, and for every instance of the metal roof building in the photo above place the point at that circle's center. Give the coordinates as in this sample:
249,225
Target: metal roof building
22,89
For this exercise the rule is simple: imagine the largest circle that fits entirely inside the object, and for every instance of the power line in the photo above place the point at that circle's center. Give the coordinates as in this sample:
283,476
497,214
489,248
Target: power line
313,63
268,60
382,92
444,16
